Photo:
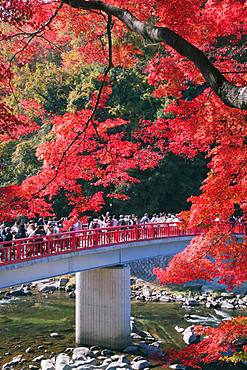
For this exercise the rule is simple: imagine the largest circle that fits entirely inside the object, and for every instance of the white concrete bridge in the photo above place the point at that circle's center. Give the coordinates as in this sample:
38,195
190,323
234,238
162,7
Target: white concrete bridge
100,258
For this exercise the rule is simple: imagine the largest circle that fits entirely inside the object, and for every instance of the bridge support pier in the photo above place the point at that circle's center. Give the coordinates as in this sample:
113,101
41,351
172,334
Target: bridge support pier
103,307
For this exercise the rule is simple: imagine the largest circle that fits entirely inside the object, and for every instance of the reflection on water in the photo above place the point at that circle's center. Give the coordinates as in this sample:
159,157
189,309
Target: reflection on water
29,321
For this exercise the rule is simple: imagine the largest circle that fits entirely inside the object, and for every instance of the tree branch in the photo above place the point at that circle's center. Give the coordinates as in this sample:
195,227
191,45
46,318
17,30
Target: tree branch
230,94
91,118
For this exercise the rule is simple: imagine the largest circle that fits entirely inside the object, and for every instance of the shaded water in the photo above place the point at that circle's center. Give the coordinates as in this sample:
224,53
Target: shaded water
28,322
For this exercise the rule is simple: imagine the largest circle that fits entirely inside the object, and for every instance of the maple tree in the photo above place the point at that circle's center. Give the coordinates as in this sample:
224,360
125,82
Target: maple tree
192,47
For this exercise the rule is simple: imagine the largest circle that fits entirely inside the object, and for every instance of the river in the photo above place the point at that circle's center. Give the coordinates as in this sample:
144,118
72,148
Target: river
28,321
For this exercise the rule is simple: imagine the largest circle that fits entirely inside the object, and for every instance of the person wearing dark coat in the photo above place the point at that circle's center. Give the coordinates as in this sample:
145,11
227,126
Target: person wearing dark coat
7,235
21,232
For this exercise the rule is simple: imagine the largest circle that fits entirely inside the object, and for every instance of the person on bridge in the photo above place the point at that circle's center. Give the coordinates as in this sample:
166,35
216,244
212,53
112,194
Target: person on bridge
21,232
145,219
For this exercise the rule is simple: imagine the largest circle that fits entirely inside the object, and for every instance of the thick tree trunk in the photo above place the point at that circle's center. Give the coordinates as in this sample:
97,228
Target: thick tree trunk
231,95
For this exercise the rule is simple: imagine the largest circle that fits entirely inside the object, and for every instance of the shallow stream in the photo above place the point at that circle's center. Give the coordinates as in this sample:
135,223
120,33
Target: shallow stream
28,322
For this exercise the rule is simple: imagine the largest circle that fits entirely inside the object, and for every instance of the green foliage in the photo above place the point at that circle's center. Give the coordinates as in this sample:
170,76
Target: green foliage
164,188
61,89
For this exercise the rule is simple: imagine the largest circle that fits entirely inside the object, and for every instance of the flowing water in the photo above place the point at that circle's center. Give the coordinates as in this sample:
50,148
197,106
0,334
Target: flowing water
29,321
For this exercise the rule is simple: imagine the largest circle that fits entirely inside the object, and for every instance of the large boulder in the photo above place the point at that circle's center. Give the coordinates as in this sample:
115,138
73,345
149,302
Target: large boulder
88,362
227,305
62,362
19,292
70,287
62,283
189,335
191,302
80,353
15,361
47,365
48,288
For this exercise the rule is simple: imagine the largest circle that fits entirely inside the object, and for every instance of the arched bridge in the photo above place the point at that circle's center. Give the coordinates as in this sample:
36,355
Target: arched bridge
40,257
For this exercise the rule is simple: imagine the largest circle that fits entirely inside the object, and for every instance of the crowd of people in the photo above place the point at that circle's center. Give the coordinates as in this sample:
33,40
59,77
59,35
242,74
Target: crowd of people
21,229
112,221
48,226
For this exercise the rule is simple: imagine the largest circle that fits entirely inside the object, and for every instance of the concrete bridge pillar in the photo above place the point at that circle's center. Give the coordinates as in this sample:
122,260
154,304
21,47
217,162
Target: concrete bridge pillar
103,307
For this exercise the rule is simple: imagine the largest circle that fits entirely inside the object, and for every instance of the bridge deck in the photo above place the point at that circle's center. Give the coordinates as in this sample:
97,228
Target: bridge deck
37,247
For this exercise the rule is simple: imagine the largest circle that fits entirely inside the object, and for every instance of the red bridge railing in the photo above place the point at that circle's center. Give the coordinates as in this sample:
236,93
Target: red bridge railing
20,250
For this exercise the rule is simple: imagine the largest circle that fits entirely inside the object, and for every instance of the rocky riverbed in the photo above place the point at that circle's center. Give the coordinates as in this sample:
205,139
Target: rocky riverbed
48,307
144,292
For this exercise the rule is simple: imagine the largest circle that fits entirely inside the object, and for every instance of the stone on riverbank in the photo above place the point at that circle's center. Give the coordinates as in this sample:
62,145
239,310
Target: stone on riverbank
140,365
62,283
38,359
70,287
191,302
47,365
15,361
120,358
19,292
117,365
177,367
189,335
80,353
227,305
55,335
62,362
178,329
48,288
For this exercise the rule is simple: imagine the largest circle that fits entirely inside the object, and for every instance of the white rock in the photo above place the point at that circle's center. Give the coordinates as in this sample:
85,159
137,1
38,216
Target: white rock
146,292
106,362
140,365
178,329
15,360
227,294
47,365
165,298
139,281
227,305
177,367
38,359
80,353
54,335
117,365
62,362
189,337
90,361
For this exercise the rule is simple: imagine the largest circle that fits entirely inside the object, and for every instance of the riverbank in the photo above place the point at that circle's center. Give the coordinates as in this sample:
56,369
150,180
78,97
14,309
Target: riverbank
143,291
27,322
